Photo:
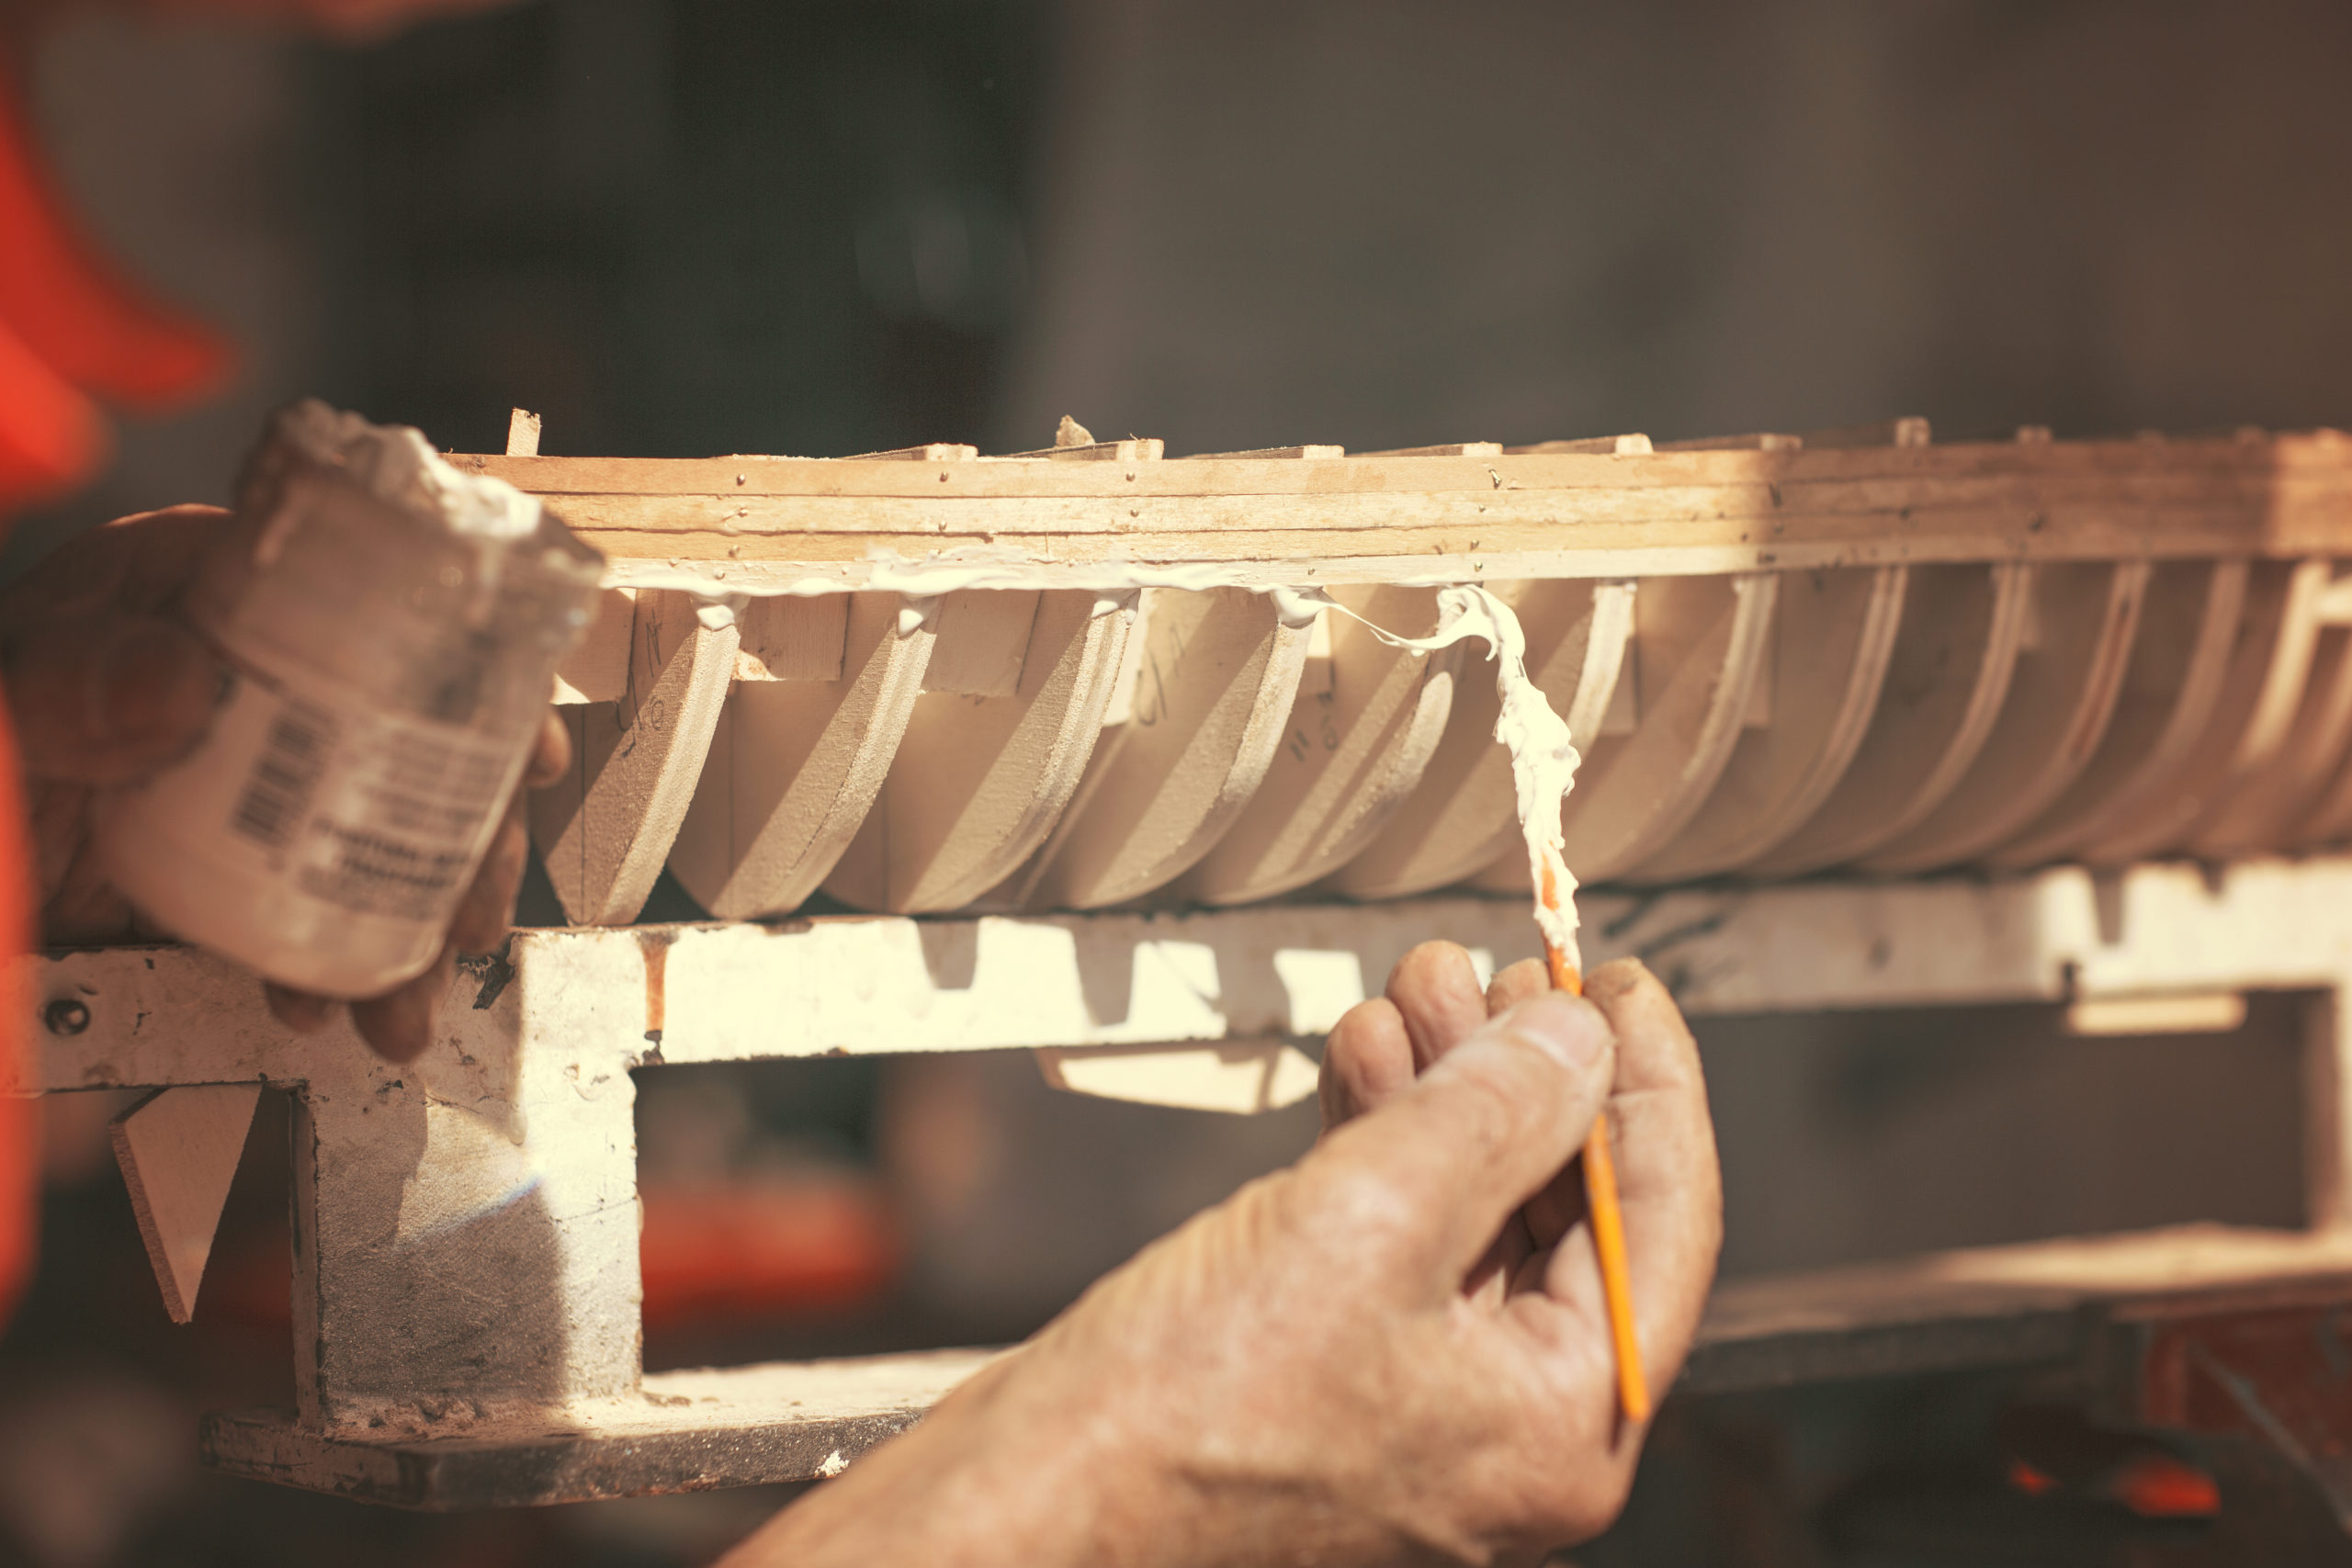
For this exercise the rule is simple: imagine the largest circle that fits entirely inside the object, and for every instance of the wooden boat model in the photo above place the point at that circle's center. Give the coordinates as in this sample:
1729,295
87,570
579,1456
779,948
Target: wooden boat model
926,680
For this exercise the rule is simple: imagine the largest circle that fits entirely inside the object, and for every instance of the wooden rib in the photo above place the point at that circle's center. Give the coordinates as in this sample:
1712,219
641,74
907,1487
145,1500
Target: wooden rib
1835,633
795,765
606,829
2331,820
1213,677
1443,449
2272,807
2069,675
2169,693
1944,692
1698,647
1615,446
2260,694
979,781
1352,752
1464,813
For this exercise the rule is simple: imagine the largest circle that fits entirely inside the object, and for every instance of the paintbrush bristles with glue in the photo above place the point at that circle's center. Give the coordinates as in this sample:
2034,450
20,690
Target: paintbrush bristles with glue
1544,768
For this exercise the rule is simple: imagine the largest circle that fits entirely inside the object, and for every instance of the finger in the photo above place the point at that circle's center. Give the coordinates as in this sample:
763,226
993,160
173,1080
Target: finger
1557,1209
488,905
140,564
107,697
399,1024
1367,1061
160,551
299,1010
1436,991
1441,1165
1510,987
1669,1182
550,753
81,908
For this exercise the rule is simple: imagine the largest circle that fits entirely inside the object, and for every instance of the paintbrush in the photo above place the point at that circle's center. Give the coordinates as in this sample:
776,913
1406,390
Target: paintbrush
1544,768
1601,1204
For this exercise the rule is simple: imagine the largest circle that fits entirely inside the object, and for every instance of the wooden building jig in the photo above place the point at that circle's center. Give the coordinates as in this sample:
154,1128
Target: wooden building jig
1100,790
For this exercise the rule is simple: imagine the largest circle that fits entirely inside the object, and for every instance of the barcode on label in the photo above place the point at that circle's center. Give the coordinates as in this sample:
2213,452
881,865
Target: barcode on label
279,791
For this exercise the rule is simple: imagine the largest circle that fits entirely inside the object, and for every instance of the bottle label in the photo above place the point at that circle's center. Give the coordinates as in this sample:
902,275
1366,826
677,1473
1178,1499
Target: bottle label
375,813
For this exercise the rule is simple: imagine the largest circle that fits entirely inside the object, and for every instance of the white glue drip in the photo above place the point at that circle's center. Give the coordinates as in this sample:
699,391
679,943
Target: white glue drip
1543,753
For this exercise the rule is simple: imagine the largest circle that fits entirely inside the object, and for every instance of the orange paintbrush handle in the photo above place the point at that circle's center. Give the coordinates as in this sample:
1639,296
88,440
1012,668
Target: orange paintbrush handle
1608,1230
1616,1278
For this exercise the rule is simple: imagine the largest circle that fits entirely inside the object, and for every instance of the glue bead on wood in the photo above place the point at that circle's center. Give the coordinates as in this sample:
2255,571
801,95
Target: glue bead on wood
389,630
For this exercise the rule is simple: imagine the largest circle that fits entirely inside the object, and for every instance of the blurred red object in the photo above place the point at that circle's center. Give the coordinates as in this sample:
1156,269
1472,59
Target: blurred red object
2158,1486
756,1247
69,325
20,1150
712,1253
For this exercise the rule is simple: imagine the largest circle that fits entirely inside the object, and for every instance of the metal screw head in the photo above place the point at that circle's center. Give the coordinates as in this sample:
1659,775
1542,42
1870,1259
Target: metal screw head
66,1016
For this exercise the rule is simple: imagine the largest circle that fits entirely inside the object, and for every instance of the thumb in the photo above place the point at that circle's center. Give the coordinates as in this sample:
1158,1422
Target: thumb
102,698
1480,1133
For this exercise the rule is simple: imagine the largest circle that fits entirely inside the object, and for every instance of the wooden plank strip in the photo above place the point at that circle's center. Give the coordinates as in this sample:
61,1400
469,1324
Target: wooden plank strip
792,637
936,452
1310,451
596,670
2131,469
1757,441
1615,445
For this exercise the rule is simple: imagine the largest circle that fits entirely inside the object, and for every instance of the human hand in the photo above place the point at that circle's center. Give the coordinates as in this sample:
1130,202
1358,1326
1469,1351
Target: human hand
1396,1349
106,685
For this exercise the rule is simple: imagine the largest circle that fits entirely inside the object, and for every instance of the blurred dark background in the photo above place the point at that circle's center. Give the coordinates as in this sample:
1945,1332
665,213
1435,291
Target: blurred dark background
685,227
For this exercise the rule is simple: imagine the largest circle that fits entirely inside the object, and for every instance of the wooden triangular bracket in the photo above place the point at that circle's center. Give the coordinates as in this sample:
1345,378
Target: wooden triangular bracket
178,1149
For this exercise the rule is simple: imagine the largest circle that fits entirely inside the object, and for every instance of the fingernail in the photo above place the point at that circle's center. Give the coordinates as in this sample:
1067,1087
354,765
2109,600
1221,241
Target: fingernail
1570,1029
155,682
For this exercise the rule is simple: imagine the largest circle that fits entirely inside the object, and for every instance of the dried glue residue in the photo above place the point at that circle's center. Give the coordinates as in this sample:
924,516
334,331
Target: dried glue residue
1543,753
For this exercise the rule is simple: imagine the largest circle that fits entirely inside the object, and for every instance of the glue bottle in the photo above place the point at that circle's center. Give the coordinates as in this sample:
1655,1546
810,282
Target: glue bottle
389,629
